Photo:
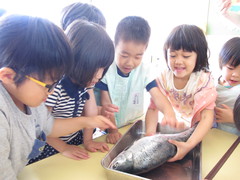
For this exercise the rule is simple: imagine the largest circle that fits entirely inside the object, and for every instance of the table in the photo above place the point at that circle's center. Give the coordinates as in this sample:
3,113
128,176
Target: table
214,145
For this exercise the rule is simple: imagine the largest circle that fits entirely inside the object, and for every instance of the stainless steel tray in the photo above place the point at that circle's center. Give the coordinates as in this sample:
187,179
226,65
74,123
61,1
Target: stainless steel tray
189,168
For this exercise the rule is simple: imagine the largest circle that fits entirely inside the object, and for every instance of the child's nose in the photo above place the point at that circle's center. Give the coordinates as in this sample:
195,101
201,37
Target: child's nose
236,74
178,60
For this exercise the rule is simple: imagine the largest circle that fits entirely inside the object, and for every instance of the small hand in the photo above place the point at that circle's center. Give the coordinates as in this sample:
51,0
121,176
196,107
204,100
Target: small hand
172,122
75,152
96,146
113,136
182,149
109,110
224,114
100,122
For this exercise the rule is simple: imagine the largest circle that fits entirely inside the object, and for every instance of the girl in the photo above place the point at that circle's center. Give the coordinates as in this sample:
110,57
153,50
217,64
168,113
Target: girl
228,86
73,97
188,85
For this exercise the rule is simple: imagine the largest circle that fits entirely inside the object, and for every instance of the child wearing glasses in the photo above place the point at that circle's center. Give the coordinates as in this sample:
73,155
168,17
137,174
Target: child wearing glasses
34,53
74,97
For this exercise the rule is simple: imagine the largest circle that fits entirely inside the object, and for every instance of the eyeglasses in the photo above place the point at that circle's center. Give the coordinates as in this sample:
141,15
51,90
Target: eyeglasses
49,86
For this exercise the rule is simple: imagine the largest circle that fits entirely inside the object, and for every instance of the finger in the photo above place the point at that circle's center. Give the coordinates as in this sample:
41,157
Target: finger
164,122
92,149
82,154
114,106
112,109
225,106
173,159
105,147
174,142
108,124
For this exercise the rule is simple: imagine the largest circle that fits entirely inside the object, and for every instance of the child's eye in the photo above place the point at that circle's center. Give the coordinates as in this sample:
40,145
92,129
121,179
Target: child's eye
124,56
230,68
186,57
138,58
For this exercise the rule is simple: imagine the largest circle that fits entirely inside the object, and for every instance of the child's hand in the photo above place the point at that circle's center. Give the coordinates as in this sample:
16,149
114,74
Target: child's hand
100,122
109,110
224,114
75,152
224,5
170,119
93,146
182,149
113,136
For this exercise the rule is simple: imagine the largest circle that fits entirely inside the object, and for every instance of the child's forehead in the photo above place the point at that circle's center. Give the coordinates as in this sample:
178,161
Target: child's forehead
131,47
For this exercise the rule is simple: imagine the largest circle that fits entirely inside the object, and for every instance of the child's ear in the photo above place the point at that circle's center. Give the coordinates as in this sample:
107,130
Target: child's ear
7,75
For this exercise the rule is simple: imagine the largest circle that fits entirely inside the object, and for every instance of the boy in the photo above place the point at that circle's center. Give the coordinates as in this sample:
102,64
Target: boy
122,88
34,55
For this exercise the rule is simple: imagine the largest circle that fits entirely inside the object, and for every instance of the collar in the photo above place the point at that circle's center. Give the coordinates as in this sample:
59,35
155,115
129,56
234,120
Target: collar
71,88
121,74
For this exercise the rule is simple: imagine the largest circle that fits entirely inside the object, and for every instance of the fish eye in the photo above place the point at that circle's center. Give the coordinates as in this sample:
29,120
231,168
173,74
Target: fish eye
115,165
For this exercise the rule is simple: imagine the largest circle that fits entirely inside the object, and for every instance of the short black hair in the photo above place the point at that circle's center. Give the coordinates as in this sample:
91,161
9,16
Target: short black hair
236,113
92,49
189,38
230,53
133,28
83,11
32,45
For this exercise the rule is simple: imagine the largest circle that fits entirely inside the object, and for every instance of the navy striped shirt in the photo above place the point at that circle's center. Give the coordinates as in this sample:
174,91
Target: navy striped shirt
67,101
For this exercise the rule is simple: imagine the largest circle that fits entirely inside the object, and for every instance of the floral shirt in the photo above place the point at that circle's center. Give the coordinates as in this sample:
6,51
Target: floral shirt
198,94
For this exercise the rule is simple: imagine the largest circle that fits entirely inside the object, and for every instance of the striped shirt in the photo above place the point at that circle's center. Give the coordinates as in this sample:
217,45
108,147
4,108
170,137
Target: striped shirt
67,101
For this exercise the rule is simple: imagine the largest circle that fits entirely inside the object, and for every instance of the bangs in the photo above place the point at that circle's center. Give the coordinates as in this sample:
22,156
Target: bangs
179,40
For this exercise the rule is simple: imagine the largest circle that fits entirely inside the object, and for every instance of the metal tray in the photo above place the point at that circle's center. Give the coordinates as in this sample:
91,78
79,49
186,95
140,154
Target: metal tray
189,168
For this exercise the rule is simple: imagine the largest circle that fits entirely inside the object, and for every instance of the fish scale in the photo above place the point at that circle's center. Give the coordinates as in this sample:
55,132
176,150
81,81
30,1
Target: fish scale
148,152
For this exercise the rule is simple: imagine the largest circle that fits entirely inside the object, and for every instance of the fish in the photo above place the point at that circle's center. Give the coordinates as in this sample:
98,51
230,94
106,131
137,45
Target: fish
148,152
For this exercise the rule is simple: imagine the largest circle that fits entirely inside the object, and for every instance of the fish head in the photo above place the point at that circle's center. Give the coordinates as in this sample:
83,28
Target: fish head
122,162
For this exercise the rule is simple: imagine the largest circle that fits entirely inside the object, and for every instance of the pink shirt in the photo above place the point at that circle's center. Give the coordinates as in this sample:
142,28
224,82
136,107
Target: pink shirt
198,94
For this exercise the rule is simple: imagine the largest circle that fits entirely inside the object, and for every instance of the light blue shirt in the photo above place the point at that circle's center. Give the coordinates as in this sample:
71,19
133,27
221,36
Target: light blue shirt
127,92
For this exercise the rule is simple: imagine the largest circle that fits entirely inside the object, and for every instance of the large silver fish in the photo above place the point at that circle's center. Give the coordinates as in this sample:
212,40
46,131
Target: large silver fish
148,152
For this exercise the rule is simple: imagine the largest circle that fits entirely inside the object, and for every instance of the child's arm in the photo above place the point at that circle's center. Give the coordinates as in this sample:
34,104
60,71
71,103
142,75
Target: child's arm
201,130
91,109
113,134
151,121
224,114
70,151
63,127
162,104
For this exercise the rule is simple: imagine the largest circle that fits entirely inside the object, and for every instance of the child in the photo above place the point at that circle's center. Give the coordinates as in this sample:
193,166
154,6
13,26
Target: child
228,86
188,86
122,88
83,11
73,97
236,113
34,54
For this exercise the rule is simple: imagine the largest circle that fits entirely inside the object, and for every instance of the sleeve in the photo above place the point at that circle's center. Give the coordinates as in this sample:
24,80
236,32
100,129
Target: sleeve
53,98
6,169
102,86
159,84
149,74
151,85
204,99
47,119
